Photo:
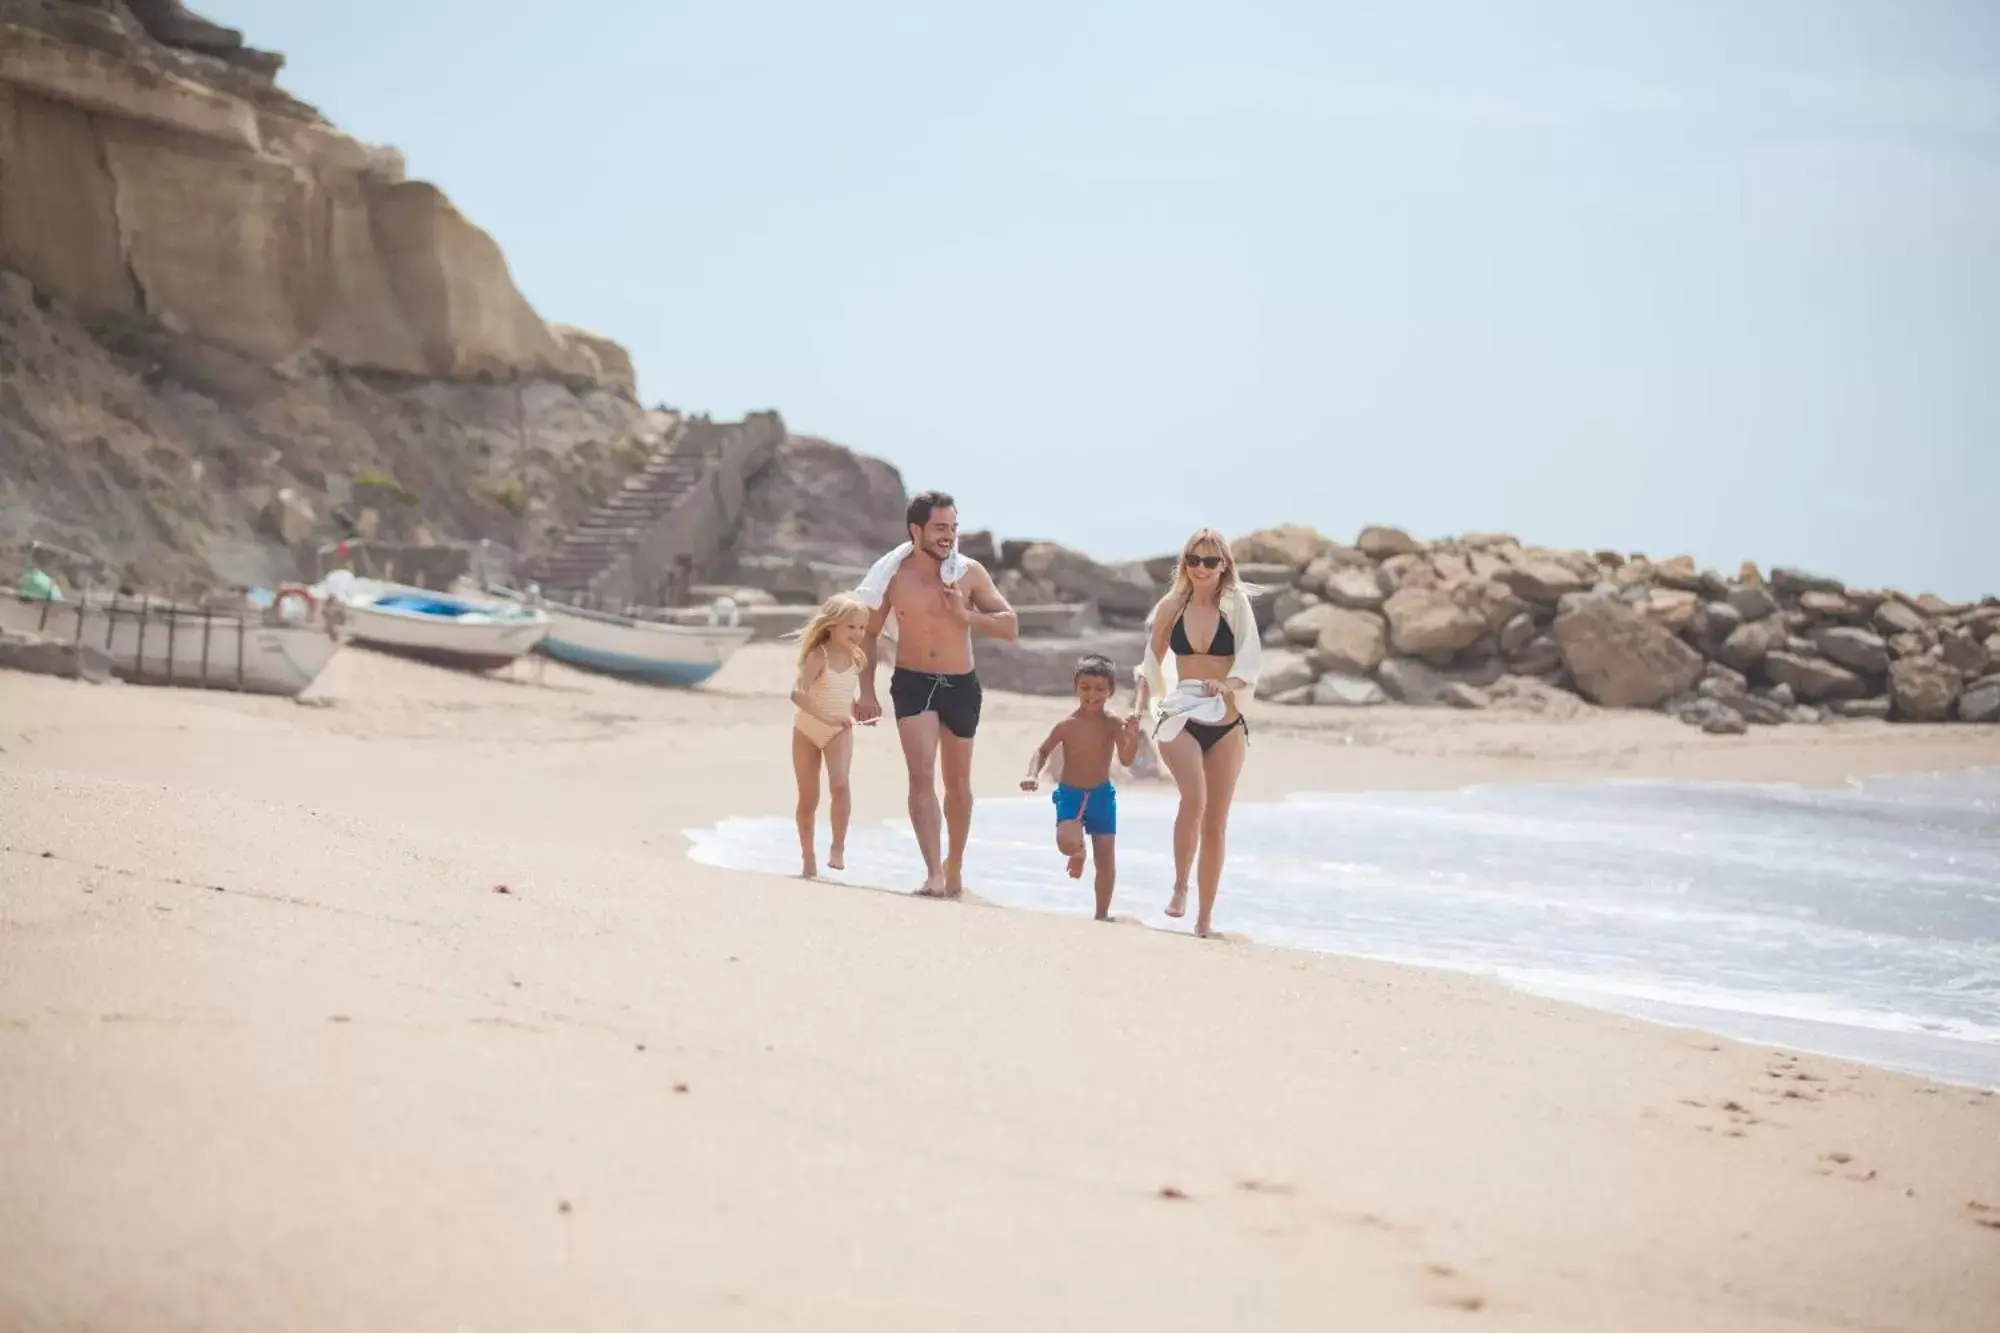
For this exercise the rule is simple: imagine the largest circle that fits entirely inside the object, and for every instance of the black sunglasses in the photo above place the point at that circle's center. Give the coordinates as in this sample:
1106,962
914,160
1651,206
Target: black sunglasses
1205,561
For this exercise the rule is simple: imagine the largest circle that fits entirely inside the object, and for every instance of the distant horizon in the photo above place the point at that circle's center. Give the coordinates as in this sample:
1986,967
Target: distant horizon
1709,280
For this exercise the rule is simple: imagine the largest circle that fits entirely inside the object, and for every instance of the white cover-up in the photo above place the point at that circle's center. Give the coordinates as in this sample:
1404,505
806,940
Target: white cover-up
1176,702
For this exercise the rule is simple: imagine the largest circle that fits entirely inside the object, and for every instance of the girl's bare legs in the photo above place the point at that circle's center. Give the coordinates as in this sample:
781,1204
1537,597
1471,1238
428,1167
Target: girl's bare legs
1183,759
1221,766
805,768
839,757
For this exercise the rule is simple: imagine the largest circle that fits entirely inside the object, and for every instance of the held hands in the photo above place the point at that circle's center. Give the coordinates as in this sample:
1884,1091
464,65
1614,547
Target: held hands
866,710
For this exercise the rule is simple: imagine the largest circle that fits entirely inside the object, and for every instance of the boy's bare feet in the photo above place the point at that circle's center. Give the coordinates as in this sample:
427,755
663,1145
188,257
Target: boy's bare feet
1076,865
836,859
1177,905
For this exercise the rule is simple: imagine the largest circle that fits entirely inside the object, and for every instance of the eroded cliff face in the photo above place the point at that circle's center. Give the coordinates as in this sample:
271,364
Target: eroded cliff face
175,182
231,334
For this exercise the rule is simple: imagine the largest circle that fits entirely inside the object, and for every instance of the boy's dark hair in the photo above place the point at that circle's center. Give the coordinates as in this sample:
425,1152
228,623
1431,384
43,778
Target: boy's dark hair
921,505
1095,664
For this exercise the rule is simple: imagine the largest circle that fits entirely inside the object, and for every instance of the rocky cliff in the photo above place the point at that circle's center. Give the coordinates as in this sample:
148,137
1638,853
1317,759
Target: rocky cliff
151,168
230,333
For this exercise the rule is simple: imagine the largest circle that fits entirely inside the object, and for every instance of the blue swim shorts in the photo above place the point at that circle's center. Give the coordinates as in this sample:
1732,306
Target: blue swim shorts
1100,810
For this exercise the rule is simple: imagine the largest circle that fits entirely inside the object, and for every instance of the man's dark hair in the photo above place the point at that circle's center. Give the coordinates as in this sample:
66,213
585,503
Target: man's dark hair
921,506
1095,664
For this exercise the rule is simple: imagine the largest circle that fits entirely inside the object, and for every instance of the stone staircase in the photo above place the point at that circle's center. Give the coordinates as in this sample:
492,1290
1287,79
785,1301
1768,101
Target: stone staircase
609,532
685,499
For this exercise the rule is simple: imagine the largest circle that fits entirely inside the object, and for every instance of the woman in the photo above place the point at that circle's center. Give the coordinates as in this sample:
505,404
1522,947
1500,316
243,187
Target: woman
1202,654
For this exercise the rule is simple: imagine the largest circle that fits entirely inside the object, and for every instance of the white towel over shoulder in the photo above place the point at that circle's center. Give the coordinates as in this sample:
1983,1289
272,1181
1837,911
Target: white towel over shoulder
875,583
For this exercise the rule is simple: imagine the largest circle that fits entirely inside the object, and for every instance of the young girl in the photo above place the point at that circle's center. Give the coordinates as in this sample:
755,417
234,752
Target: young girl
830,661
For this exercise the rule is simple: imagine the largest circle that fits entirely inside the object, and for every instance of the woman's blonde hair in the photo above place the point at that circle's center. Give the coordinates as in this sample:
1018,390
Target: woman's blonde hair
837,608
1183,589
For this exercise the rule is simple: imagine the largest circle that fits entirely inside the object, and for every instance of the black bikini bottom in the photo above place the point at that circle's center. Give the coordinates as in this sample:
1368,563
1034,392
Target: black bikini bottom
1206,734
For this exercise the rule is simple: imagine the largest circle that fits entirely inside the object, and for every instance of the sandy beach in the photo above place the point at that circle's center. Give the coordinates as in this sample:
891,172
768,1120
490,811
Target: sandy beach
404,1007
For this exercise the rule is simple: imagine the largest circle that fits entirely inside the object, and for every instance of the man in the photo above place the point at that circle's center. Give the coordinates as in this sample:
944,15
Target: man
940,600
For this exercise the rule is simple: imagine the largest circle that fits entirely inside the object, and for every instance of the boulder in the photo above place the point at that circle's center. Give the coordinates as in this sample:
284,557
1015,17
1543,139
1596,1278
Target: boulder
1719,620
1814,678
1075,577
1829,606
1746,648
1430,623
1917,643
1288,605
1876,707
1727,680
1790,583
1294,698
1752,601
980,546
1338,690
1283,672
1292,544
1380,543
289,517
1407,571
1896,616
1678,572
1526,694
1723,720
1410,681
1966,654
1671,607
1981,701
1302,626
1271,578
1636,571
1855,649
1781,694
1934,606
1354,586
1760,711
1622,660
1923,688
1351,641
1542,581
1516,633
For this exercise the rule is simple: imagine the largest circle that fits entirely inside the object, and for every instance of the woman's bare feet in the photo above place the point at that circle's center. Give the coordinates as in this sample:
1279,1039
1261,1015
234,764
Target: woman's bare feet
933,886
836,859
1204,930
1177,905
808,867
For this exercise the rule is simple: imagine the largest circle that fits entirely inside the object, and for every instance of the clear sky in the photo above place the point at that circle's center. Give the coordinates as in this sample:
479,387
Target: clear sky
1658,275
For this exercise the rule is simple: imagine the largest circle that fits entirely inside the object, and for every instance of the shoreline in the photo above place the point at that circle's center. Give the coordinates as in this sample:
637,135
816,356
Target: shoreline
267,1012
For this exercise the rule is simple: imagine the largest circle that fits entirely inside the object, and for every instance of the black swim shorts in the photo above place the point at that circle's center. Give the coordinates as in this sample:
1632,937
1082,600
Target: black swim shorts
955,699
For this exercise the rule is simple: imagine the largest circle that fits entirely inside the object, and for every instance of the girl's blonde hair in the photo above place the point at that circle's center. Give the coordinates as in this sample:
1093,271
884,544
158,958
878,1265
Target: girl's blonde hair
837,608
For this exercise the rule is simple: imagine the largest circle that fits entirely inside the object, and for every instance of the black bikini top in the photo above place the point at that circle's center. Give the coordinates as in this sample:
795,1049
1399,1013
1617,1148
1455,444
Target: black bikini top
1222,645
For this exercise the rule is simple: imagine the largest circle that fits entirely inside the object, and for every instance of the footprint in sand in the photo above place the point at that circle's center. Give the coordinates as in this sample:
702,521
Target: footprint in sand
1445,1285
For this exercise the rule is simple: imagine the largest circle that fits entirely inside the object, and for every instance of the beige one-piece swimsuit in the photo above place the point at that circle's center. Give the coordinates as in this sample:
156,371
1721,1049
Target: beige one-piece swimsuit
832,694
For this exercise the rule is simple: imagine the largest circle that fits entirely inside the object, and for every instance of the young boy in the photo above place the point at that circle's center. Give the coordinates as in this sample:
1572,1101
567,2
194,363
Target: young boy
1086,802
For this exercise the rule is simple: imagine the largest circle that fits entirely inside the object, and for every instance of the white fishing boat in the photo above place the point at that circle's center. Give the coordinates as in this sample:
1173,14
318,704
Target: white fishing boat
447,629
280,651
643,650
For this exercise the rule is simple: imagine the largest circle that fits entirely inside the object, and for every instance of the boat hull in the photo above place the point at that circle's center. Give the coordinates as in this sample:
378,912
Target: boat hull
639,650
151,645
485,643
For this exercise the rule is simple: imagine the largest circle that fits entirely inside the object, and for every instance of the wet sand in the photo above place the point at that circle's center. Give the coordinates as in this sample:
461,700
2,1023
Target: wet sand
277,1050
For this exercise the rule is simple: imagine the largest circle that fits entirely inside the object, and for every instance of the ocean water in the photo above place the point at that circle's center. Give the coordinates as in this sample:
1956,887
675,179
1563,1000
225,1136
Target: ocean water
1861,922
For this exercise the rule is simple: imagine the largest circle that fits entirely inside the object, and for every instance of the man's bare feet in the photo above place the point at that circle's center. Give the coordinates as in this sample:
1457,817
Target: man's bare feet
1177,905
836,859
